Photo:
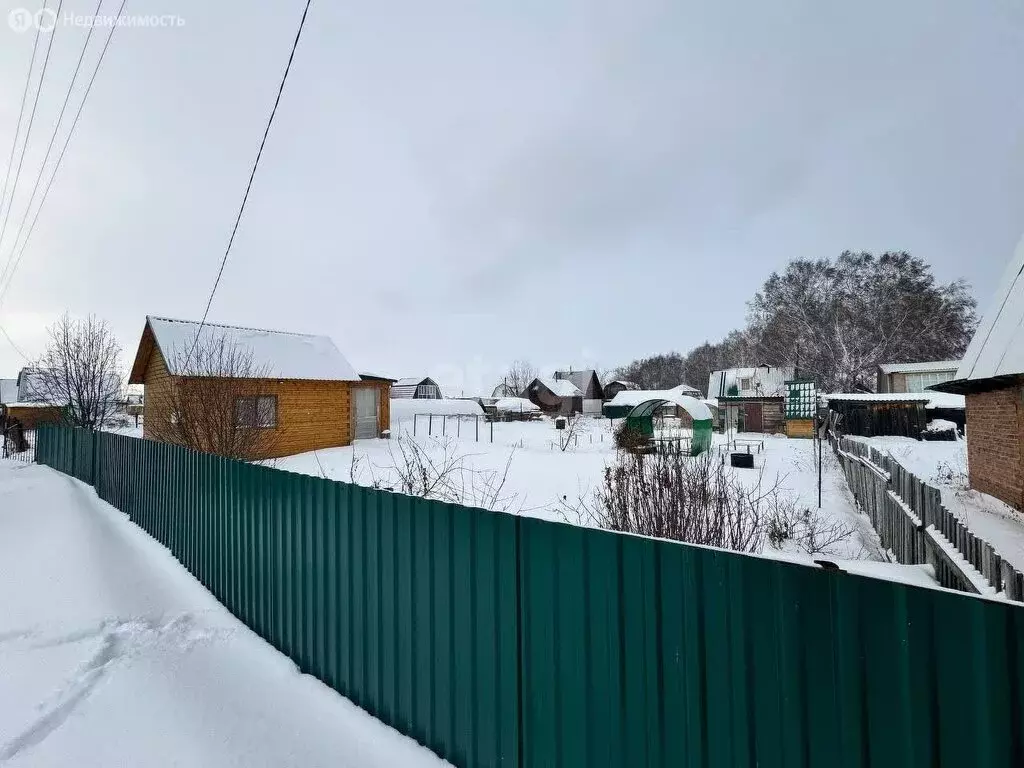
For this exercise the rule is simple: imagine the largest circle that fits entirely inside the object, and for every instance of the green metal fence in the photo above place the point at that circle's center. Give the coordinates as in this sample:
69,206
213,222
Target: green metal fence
497,640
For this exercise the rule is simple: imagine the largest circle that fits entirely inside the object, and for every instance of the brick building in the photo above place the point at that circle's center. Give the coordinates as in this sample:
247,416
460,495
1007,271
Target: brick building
991,377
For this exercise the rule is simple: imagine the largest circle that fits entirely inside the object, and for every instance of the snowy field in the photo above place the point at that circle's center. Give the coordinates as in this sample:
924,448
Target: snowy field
544,481
112,654
944,465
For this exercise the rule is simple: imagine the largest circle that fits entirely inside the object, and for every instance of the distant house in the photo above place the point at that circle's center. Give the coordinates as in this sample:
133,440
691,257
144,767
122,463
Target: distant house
307,392
612,388
589,384
555,396
991,377
31,386
414,387
914,377
751,399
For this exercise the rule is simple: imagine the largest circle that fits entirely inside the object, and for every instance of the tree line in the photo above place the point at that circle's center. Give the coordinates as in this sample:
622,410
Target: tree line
835,320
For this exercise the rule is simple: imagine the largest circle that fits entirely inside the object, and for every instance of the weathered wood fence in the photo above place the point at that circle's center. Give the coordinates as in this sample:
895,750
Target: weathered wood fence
916,527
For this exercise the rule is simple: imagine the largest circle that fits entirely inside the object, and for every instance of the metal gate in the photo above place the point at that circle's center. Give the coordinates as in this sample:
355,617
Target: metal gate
366,409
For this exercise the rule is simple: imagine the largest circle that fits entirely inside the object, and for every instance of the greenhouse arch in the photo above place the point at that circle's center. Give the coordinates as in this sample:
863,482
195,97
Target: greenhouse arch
641,417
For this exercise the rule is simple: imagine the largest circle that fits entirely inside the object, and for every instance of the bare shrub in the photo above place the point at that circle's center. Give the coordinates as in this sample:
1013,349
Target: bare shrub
630,438
789,525
671,496
575,425
214,402
438,470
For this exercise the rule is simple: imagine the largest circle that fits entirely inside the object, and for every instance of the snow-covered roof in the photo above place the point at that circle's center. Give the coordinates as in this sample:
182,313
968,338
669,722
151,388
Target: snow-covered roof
929,398
938,365
879,397
413,381
765,381
515,405
623,383
561,387
633,397
278,354
997,348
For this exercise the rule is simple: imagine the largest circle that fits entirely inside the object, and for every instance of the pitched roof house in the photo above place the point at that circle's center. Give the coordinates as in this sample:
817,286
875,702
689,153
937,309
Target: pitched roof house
555,396
991,376
300,386
416,387
752,399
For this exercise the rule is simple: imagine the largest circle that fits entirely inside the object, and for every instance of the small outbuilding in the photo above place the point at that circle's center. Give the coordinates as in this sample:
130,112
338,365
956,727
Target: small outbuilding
752,399
991,377
417,388
612,388
870,414
300,388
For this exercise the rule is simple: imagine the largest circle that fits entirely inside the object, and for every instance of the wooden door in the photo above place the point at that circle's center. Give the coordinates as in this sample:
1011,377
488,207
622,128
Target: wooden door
753,417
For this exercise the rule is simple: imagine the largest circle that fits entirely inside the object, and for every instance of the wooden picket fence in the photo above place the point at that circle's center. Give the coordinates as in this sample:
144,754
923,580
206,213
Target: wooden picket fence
916,527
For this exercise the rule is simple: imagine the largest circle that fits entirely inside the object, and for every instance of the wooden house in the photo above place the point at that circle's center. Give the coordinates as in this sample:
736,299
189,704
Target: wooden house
306,391
589,384
555,396
751,399
417,388
991,377
612,388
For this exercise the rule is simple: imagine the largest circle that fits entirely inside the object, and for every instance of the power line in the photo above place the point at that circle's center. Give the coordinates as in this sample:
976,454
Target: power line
21,114
252,175
67,141
53,138
31,122
15,346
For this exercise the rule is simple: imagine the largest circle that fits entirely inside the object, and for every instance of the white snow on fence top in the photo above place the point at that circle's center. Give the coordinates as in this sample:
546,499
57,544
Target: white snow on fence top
938,365
561,387
281,355
403,409
515,405
997,348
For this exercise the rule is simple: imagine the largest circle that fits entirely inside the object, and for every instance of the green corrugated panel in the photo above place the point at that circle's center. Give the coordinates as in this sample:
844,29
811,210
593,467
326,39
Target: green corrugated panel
502,641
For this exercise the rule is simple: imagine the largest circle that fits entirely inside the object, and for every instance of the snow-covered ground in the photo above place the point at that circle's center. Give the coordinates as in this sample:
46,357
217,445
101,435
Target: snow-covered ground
944,465
112,654
544,481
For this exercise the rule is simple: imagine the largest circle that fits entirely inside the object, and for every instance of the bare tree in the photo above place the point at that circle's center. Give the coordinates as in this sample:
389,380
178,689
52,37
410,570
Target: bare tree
79,370
518,378
215,402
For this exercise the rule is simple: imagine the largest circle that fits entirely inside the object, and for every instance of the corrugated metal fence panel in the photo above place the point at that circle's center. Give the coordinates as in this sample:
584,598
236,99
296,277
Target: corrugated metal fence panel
647,653
504,641
408,607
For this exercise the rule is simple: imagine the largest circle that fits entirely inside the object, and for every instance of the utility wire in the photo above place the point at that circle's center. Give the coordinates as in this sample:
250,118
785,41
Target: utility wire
21,114
248,187
15,346
49,147
31,122
46,192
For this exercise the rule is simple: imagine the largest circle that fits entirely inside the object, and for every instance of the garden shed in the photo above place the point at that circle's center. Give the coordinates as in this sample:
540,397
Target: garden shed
871,414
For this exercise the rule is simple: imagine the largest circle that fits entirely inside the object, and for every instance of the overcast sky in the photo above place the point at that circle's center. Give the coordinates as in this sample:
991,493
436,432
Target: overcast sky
452,185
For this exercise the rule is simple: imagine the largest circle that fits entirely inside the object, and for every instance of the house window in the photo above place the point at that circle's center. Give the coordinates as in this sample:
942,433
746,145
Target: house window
919,382
258,411
746,384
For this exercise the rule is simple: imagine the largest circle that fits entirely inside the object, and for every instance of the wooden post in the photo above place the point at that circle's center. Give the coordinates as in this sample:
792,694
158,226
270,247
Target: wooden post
430,425
478,429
